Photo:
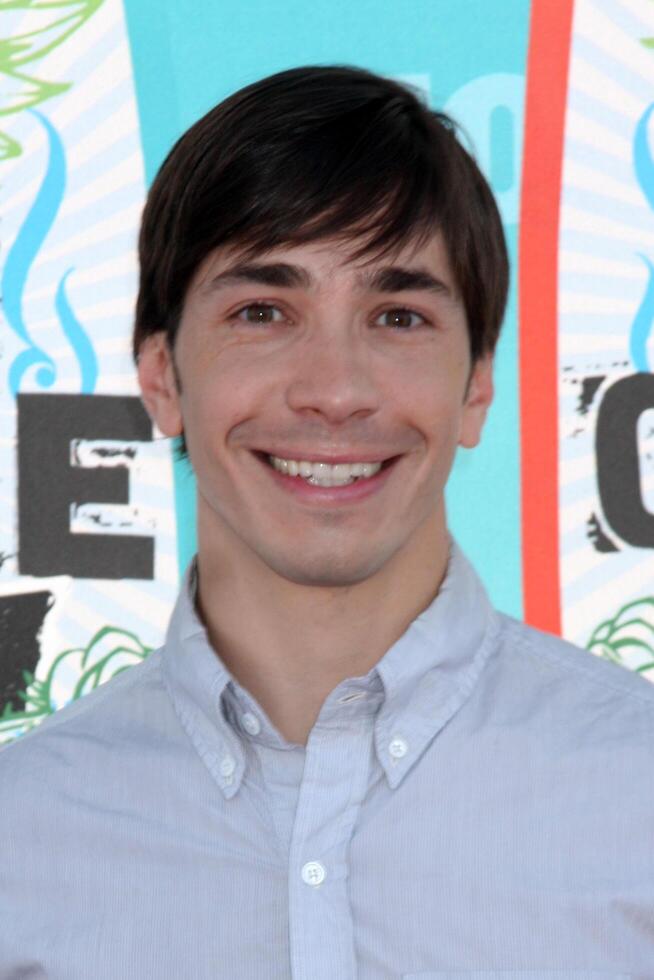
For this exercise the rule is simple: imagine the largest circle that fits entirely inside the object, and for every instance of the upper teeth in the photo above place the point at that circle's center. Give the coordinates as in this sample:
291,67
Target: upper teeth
325,474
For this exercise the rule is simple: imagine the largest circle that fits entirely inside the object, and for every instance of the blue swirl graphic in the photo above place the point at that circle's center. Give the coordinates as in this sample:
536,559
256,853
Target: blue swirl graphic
18,263
644,168
77,338
643,164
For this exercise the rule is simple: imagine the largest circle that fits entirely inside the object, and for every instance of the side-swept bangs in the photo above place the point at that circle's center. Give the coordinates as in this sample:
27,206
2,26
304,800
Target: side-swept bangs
312,153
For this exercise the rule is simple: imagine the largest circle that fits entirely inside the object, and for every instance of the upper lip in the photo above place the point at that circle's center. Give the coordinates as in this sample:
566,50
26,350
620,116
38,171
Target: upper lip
332,458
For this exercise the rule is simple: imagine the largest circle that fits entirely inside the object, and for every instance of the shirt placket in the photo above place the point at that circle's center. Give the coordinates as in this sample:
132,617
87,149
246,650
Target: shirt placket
334,783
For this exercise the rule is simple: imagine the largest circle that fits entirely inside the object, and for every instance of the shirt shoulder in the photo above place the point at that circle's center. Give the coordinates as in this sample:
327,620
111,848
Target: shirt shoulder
582,678
118,713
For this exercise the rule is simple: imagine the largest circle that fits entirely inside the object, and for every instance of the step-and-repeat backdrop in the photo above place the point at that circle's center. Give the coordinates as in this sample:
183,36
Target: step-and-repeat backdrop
556,508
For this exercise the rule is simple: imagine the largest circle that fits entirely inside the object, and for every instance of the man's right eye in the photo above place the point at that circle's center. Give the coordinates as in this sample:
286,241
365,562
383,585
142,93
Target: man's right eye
259,313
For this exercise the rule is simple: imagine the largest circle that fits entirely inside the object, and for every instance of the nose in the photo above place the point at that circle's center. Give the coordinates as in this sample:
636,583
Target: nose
332,376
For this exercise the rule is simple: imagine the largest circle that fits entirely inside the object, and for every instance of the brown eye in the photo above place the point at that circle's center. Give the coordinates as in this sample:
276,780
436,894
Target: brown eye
400,319
260,313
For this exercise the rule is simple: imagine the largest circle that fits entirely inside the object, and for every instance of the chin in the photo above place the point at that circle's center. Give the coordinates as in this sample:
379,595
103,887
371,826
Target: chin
326,573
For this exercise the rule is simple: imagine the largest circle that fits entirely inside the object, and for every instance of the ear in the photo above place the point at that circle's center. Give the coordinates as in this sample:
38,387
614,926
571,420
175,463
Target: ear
477,402
157,379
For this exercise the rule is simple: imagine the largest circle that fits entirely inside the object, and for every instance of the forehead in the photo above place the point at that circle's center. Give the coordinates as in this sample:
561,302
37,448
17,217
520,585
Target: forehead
329,259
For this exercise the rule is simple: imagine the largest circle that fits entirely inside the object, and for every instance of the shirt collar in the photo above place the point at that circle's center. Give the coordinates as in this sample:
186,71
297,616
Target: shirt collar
195,678
416,687
432,669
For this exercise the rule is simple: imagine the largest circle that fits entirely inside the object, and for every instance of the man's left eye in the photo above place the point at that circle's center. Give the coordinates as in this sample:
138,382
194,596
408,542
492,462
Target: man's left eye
400,319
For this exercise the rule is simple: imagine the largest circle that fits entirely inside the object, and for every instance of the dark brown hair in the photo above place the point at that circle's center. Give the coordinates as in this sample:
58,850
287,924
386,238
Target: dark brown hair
312,153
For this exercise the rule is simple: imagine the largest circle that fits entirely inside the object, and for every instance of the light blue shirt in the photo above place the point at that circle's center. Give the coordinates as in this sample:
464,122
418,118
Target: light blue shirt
479,806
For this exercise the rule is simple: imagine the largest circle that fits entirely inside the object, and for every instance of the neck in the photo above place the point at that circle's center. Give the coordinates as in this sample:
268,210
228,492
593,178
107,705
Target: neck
290,644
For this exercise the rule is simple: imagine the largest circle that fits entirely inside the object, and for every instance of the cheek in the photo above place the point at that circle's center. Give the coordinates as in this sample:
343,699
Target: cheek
443,426
220,394
433,399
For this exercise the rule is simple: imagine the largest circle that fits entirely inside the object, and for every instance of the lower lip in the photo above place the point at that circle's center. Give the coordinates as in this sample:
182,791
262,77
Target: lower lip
351,492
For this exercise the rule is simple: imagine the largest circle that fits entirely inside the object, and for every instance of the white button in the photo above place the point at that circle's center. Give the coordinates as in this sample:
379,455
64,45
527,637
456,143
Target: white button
250,723
398,747
313,873
227,766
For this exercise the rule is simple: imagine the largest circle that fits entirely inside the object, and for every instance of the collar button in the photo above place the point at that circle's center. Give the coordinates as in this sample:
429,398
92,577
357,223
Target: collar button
250,723
398,747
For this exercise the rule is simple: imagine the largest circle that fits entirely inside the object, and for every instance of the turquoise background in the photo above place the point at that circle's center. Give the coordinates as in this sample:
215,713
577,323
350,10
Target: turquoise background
189,54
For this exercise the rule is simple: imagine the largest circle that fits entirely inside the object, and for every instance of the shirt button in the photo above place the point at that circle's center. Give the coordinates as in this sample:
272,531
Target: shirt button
313,873
227,766
250,723
398,747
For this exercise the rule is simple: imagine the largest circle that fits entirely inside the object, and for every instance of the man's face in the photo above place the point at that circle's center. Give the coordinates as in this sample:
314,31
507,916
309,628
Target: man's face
305,355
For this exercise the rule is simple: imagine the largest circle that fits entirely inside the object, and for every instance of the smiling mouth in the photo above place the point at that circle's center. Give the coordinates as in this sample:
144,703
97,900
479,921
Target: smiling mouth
323,475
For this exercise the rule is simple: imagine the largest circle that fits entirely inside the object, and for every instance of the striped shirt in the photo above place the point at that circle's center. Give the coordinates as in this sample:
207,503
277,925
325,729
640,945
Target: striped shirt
479,806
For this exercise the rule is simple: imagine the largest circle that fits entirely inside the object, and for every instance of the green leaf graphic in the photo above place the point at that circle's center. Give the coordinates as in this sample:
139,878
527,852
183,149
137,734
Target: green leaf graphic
8,147
109,652
628,637
45,25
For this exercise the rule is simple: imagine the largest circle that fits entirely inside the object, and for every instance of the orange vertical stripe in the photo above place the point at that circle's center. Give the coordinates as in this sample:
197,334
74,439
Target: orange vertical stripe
547,85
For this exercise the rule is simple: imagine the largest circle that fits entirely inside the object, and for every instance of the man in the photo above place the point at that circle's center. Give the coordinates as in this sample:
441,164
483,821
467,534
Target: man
343,762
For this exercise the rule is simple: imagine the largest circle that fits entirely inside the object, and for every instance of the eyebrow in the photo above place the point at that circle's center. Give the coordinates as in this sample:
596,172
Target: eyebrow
389,279
397,279
280,274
